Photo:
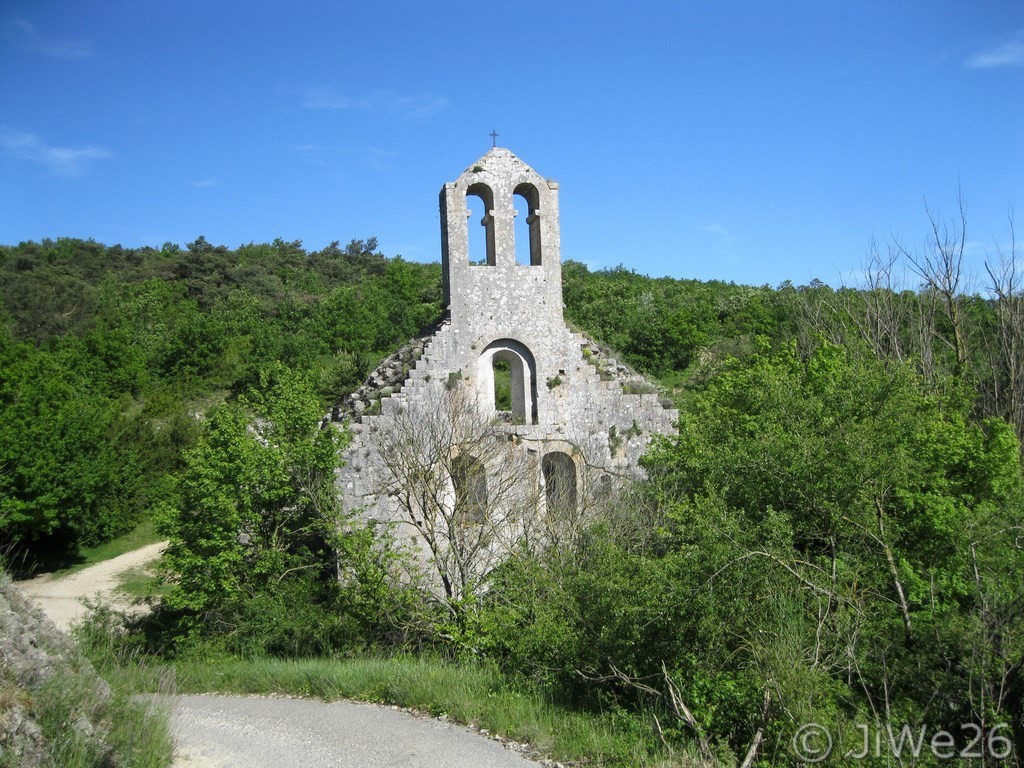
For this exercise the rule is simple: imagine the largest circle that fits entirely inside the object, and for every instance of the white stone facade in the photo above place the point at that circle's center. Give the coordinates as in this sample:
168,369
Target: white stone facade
588,423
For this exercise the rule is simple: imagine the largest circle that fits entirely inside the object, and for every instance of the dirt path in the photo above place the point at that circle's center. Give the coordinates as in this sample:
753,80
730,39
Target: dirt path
60,596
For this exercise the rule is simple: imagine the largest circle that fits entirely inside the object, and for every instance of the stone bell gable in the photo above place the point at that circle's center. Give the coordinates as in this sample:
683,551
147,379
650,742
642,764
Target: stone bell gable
508,292
580,420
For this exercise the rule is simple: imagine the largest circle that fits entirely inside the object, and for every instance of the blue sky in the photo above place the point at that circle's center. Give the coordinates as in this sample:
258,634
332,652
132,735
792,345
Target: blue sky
754,142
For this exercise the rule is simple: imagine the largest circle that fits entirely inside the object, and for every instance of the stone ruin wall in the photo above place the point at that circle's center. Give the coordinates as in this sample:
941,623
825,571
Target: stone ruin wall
572,397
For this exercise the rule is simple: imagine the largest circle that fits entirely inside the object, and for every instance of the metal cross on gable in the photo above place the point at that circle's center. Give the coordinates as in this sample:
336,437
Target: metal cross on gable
494,138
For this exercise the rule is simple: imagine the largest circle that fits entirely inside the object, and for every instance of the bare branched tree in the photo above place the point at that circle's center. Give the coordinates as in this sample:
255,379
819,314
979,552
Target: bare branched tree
1007,348
884,317
941,267
462,487
873,310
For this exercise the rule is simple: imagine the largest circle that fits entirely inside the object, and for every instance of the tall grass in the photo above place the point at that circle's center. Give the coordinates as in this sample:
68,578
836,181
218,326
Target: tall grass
478,695
123,729
85,729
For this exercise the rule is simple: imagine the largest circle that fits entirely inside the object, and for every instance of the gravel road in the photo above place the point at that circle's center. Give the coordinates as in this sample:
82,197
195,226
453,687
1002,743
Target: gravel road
249,732
255,732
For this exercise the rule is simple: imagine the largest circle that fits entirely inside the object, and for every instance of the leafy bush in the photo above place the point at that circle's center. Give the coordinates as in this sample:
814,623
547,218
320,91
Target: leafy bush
259,540
835,542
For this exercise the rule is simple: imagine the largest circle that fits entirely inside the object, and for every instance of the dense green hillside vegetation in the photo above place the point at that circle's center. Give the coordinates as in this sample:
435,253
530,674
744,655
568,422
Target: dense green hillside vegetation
834,536
110,357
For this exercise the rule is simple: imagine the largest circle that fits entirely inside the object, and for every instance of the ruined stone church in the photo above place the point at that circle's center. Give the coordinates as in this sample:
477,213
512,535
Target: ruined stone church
569,419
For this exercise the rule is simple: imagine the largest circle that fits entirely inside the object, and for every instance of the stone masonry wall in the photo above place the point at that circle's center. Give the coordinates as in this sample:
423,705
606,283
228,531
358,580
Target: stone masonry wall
572,398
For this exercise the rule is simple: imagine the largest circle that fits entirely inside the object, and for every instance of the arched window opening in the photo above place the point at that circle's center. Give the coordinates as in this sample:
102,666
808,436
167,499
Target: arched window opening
480,207
503,387
469,480
527,230
507,381
559,472
475,211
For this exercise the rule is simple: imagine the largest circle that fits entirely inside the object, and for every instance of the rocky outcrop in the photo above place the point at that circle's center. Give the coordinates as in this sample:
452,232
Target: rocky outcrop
32,652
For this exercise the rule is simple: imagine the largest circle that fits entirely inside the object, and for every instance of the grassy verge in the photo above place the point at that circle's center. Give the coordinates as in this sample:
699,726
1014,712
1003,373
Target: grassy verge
136,731
142,582
474,695
85,728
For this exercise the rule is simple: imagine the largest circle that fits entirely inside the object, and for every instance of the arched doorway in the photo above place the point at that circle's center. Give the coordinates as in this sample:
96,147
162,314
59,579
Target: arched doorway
508,363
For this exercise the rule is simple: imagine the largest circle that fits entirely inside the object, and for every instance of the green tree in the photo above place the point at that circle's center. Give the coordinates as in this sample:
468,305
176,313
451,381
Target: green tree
67,476
258,543
256,494
833,542
861,501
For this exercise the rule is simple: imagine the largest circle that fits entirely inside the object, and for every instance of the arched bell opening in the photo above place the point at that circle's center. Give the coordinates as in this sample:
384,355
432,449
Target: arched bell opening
480,202
526,200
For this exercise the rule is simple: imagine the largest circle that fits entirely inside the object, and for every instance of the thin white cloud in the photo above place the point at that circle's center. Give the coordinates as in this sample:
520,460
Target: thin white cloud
724,236
1006,54
324,97
402,106
204,183
64,161
328,156
416,107
27,36
716,229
